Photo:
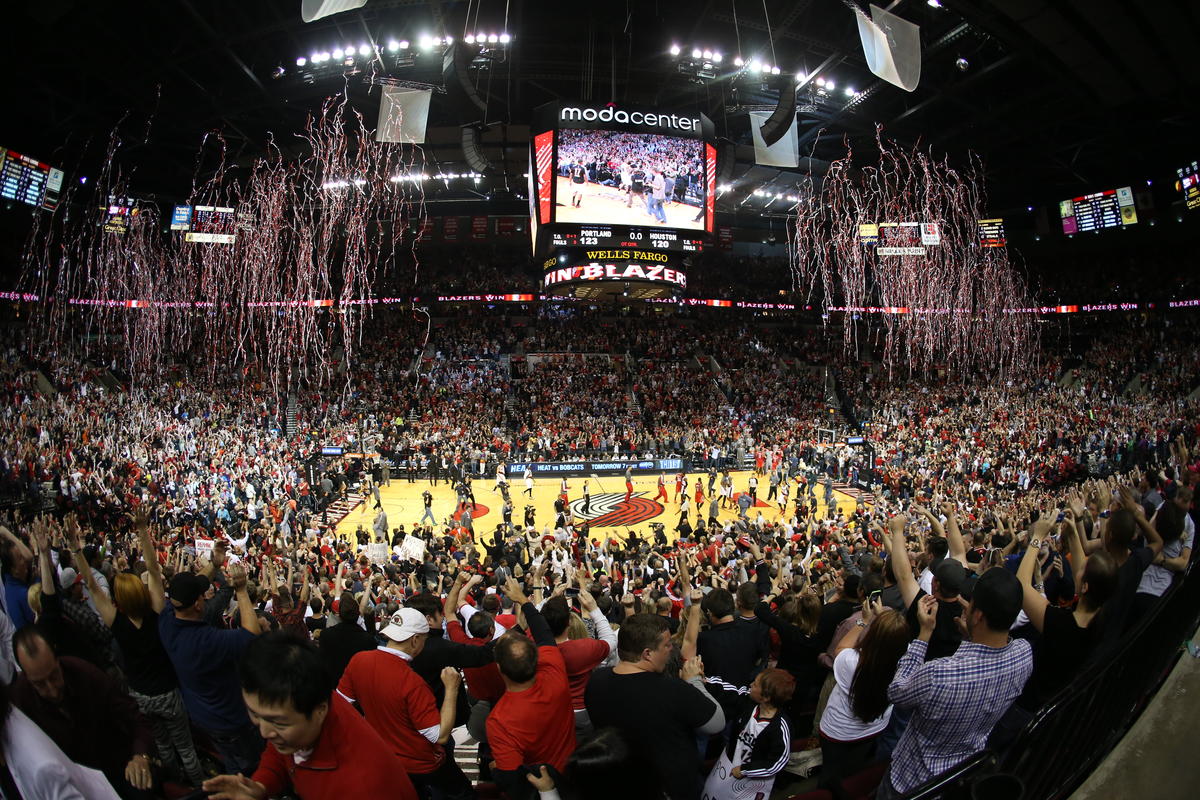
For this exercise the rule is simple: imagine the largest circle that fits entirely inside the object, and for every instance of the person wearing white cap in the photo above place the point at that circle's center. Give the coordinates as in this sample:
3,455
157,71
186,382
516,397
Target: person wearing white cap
400,706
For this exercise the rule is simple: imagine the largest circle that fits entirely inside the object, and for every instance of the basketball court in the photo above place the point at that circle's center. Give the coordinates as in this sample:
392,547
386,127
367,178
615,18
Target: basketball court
610,512
607,203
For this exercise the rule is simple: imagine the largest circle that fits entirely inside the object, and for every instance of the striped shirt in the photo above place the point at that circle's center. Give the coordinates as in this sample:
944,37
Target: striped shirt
956,701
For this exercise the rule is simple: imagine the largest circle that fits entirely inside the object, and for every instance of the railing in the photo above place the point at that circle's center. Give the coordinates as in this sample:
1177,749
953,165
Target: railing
1078,728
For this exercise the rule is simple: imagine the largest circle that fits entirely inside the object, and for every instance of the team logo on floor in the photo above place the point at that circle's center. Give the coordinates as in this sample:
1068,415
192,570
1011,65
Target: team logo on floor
610,510
479,511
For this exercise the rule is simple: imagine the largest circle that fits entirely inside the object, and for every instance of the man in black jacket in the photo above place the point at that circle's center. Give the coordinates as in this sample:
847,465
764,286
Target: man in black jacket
440,652
732,651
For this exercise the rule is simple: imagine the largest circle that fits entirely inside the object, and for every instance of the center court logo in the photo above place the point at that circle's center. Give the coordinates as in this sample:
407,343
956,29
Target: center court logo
610,510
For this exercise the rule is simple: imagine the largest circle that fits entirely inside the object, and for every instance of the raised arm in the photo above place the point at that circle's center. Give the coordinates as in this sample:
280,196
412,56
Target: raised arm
901,568
246,613
691,633
1153,539
104,604
957,547
1033,602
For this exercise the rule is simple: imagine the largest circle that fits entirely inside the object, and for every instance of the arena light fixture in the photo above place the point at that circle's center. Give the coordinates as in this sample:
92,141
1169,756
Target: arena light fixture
301,61
696,52
469,38
393,45
737,61
850,91
404,44
493,38
716,57
830,85
364,49
338,52
426,42
774,70
505,38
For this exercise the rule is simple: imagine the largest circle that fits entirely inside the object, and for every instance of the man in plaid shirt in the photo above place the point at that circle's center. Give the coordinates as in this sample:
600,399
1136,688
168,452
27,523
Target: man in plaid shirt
956,700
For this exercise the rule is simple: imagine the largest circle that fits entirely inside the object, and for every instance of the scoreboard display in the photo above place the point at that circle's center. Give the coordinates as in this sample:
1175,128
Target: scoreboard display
213,224
1113,208
991,233
1188,184
617,236
29,181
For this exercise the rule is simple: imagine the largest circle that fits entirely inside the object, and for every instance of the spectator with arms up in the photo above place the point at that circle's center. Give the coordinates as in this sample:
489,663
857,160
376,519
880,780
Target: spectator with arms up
956,700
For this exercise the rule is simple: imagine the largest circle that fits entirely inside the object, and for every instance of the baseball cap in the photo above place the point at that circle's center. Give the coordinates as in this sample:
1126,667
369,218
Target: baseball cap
405,624
186,588
951,577
69,577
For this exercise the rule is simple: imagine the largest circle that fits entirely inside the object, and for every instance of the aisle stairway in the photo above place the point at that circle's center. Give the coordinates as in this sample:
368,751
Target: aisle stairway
292,416
339,509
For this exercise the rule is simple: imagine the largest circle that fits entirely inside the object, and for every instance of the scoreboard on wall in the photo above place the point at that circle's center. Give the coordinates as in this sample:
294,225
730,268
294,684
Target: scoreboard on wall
619,196
1188,184
1113,208
29,181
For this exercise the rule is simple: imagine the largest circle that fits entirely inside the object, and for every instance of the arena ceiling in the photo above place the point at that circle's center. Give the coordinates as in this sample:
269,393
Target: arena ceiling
1058,96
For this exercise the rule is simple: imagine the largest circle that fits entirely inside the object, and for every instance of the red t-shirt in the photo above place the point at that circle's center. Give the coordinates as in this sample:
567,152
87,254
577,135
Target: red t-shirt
397,703
349,760
581,656
484,682
535,726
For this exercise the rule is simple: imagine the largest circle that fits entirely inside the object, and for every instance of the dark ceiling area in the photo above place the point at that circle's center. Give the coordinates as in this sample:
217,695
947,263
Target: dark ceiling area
1058,97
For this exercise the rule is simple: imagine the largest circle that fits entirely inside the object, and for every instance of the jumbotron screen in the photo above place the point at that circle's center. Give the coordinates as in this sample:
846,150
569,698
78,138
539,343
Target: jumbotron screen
619,178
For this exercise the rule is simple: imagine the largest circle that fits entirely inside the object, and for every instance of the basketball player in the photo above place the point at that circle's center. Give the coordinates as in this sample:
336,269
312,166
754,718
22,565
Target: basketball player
578,178
562,490
587,499
501,476
528,480
626,184
629,483
681,483
662,487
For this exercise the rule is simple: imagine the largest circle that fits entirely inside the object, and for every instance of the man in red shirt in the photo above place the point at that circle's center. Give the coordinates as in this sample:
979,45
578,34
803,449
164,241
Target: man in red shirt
318,747
581,656
400,707
484,684
533,723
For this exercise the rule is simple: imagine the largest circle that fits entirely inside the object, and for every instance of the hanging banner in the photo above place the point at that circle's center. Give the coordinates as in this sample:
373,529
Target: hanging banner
725,237
479,229
450,229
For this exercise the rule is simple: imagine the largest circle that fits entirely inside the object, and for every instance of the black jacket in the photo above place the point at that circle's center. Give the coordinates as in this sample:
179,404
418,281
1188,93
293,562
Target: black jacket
770,752
440,652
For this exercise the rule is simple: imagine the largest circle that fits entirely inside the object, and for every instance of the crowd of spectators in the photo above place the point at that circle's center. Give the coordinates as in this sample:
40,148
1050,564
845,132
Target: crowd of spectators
178,609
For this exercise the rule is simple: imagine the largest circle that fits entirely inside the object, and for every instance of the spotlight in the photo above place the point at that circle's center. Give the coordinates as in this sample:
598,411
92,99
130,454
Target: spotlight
829,85
716,58
301,61
821,81
696,53
756,66
393,46
1029,208
774,70
849,91
493,38
962,64
469,38
674,49
83,179
934,3
737,61
449,40
364,50
505,38
800,77
707,55
426,42
338,52
404,44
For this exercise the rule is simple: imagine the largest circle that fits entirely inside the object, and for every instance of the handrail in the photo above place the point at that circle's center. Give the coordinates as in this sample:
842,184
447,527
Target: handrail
1069,737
